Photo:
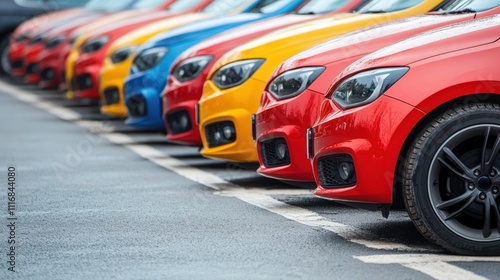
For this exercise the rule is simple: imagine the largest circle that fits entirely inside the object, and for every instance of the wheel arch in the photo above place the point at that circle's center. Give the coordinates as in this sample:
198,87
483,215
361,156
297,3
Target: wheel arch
470,98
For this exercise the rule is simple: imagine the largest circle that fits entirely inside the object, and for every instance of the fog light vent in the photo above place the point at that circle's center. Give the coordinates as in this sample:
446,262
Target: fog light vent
32,69
179,122
111,96
336,171
47,74
275,152
84,82
137,106
220,133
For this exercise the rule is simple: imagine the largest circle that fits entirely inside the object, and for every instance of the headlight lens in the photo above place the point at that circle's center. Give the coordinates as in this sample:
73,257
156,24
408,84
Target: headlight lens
149,58
54,42
22,37
95,44
37,39
122,54
294,82
365,87
236,73
191,68
73,39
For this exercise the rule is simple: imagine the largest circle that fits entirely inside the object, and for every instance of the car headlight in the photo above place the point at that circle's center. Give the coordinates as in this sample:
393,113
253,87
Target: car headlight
191,68
95,44
149,58
236,73
73,39
37,39
365,87
122,54
22,37
294,82
54,42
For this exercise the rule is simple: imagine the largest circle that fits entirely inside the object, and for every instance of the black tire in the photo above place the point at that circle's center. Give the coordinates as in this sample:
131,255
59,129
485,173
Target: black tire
451,181
4,58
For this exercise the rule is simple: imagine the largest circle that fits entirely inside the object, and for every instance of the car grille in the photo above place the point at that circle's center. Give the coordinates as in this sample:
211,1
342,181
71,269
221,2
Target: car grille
17,64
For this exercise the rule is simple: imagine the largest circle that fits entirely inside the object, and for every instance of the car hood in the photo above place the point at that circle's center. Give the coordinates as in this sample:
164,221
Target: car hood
104,21
140,17
215,25
433,43
218,41
138,36
366,40
48,18
46,22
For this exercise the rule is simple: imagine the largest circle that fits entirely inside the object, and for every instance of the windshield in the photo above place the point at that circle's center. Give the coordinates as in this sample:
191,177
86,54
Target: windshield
146,4
222,6
321,6
182,5
60,4
468,5
109,6
387,6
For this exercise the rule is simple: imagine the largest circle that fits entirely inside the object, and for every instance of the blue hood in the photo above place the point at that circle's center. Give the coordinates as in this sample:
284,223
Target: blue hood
213,26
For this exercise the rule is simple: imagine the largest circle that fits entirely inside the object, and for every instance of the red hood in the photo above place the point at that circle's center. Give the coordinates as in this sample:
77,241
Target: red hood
47,20
433,43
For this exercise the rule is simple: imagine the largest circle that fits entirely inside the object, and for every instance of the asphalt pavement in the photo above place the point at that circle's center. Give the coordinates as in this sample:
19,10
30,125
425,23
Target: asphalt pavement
95,199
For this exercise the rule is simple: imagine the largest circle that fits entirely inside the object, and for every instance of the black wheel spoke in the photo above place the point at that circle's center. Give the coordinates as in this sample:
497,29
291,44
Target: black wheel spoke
459,211
487,219
494,154
467,174
454,201
484,168
496,211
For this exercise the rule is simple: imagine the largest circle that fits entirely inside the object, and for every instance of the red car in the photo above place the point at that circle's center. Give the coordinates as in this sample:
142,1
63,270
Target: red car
28,33
422,116
32,69
290,103
49,35
93,51
185,85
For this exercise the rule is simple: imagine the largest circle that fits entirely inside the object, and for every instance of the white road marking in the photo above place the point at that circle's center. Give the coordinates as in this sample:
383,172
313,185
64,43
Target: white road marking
436,266
433,265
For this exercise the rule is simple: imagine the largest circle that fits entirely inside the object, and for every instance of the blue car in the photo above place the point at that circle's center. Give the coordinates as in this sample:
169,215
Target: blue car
149,72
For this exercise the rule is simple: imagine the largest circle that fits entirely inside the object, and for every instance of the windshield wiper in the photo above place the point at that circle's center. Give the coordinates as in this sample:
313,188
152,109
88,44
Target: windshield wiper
375,12
464,11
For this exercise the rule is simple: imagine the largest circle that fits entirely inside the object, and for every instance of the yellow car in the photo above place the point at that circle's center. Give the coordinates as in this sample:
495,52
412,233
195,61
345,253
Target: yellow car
119,57
236,82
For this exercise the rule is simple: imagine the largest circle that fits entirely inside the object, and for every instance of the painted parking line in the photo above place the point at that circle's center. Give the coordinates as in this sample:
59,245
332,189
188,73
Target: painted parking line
263,198
437,266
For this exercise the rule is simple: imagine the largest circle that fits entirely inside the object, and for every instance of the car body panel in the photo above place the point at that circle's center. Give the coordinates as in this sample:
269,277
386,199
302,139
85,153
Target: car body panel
455,50
274,48
341,52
